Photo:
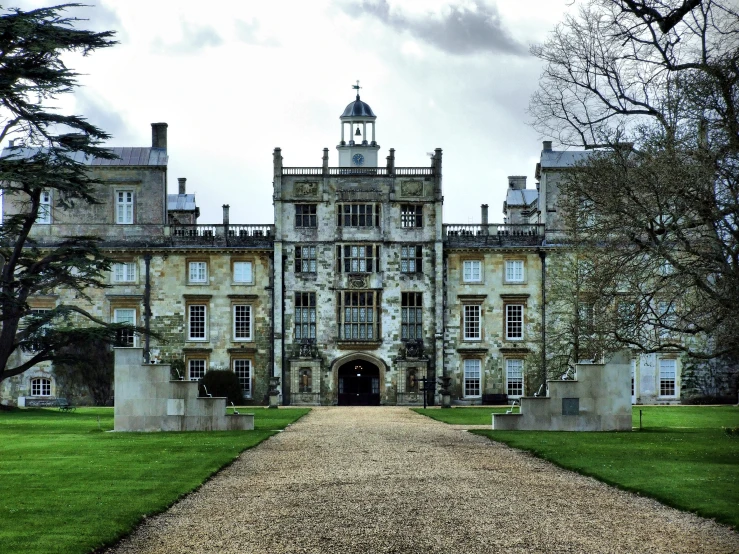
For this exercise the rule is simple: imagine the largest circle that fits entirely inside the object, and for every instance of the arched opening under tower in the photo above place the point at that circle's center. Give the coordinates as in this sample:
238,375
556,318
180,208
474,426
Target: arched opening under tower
359,384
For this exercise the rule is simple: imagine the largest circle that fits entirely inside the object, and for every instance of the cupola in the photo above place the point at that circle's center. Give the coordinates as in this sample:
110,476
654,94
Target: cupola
358,151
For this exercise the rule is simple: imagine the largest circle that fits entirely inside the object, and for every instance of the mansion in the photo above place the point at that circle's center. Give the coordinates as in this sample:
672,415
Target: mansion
356,293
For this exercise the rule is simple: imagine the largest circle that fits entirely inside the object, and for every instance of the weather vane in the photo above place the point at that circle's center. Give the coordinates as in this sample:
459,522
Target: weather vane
357,87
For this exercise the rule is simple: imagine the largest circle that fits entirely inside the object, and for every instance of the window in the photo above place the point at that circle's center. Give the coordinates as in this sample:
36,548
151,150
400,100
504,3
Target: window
586,318
514,321
124,272
127,316
358,215
305,215
195,369
514,271
44,209
472,271
514,377
242,322
667,377
305,383
411,215
242,369
242,272
305,315
472,378
411,259
32,313
124,207
358,315
411,309
471,323
666,268
305,259
40,387
197,272
667,319
196,322
356,258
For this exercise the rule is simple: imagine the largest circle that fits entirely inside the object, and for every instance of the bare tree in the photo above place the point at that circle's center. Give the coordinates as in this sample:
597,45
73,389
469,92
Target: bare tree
657,83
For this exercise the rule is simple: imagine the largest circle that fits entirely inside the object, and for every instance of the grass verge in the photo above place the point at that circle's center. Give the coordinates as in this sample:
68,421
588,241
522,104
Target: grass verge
681,457
463,416
68,486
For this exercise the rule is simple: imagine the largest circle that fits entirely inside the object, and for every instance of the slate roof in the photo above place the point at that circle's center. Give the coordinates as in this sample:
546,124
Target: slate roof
521,197
127,156
562,158
181,202
358,109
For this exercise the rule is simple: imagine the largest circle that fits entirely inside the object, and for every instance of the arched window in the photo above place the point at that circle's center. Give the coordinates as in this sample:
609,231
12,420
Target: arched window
40,387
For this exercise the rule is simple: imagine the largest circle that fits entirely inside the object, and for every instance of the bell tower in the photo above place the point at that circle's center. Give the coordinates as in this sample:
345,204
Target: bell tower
359,119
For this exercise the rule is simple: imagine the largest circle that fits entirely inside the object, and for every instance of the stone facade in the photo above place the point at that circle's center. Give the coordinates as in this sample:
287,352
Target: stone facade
355,294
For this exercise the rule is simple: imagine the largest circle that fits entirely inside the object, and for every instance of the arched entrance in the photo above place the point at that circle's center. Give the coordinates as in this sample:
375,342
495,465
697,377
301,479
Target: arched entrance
359,383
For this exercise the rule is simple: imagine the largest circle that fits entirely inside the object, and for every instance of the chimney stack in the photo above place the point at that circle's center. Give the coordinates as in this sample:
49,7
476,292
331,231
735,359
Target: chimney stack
182,181
517,182
547,145
225,214
391,161
159,135
484,214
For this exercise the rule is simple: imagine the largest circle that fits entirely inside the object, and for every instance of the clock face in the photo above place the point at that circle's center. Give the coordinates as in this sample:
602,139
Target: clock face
358,159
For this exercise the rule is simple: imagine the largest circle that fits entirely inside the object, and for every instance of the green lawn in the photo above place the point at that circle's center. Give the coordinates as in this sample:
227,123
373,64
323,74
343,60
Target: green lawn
682,457
463,416
67,486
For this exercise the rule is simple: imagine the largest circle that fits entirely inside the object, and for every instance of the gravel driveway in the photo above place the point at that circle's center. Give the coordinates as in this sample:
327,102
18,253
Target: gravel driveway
382,479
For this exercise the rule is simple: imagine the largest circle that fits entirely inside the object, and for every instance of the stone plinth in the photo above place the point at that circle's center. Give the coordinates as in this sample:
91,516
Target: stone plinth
598,400
147,399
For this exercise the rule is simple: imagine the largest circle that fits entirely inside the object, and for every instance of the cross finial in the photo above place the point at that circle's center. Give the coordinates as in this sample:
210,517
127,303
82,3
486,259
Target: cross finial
357,87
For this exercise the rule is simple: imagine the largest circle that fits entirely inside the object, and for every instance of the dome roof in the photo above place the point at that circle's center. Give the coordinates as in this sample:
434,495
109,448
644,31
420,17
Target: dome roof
358,109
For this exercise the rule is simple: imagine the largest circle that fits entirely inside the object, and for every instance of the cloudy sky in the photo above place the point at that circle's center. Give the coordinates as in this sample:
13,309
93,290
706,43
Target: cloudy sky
234,79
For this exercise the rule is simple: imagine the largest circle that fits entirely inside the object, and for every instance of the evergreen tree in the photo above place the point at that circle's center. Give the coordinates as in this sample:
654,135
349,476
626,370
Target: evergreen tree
48,147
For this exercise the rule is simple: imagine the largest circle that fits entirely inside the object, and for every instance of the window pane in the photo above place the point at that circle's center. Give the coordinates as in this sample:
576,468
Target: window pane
242,272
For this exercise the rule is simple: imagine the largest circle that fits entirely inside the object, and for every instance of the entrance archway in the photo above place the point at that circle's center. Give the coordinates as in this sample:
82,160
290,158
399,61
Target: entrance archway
359,383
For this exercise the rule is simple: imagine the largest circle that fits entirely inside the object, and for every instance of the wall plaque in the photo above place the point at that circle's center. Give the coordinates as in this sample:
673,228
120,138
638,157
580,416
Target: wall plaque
411,188
306,188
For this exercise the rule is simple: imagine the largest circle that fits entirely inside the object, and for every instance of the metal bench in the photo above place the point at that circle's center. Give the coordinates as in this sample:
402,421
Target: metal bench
64,405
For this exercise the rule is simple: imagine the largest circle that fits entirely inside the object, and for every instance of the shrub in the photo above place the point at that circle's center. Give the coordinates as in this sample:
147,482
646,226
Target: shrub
222,382
704,399
733,432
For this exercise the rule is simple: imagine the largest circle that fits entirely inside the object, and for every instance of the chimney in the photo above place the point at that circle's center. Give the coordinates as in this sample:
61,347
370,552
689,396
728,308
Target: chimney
182,181
516,182
225,214
546,146
484,214
391,161
11,143
325,160
159,135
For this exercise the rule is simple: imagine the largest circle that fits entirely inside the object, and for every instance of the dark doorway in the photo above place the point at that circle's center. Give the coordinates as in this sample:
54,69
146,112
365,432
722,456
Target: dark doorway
359,384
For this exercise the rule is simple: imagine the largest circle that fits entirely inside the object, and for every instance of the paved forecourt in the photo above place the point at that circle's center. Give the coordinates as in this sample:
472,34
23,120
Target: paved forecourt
381,479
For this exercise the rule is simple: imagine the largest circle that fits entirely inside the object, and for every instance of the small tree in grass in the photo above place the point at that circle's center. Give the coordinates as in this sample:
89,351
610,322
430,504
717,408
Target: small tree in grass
222,382
87,367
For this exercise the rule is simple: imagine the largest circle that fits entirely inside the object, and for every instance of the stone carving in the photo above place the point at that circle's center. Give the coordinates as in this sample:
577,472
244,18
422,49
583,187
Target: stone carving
411,188
413,349
357,282
307,348
306,188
